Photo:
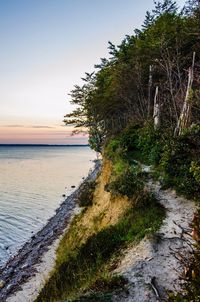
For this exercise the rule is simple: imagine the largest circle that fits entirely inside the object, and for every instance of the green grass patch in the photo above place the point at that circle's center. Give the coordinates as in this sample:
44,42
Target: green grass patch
83,265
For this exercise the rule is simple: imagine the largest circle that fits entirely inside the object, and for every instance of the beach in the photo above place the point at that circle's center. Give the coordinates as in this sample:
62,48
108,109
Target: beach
24,274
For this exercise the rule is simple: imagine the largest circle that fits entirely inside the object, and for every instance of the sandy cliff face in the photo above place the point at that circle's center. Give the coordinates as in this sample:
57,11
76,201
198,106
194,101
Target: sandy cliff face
106,210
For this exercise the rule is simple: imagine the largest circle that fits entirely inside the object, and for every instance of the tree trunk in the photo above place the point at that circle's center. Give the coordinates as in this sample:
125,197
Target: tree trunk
150,105
184,118
156,111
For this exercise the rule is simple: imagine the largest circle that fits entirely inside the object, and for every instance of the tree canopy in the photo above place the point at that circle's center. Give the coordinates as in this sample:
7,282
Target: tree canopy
156,57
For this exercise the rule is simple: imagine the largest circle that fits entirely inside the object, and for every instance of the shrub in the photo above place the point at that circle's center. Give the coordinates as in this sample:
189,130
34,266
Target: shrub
150,143
119,166
86,194
177,158
129,138
125,143
145,199
180,163
195,170
145,143
128,183
112,148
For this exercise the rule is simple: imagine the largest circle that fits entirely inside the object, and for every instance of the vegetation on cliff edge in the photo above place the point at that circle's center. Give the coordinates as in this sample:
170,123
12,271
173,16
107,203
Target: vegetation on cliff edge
141,104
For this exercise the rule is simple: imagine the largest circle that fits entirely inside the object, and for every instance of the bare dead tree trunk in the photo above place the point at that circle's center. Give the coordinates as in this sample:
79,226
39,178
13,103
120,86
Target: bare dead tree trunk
167,64
156,111
150,107
184,118
170,80
142,101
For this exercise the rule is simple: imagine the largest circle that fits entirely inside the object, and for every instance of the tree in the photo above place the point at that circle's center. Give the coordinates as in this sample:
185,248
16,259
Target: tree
145,77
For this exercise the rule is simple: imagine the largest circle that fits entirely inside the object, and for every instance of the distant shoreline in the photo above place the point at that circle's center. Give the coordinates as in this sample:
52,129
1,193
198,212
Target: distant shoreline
40,145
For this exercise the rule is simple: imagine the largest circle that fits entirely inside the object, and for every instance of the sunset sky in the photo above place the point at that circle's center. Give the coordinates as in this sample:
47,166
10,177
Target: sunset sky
46,46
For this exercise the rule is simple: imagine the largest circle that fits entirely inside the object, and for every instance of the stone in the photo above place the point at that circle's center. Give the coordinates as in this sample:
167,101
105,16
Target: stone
2,283
9,286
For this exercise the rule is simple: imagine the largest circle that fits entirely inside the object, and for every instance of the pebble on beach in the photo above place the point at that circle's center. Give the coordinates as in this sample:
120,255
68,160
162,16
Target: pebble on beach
2,283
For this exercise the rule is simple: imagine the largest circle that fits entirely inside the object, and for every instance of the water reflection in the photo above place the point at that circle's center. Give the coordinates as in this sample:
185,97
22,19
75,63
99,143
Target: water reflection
32,182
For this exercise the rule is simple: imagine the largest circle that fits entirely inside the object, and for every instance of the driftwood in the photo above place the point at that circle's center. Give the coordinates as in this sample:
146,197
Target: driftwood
155,288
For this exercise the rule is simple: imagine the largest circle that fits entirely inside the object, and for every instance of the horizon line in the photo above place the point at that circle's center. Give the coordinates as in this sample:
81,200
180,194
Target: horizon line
62,145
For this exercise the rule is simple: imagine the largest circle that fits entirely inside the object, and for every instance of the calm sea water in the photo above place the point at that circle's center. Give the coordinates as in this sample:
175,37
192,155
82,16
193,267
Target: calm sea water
32,182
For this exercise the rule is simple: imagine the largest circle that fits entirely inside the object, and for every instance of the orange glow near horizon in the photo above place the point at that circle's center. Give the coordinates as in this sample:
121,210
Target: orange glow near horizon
57,135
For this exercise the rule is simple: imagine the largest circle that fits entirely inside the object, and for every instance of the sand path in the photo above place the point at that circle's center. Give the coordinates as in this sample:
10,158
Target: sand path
152,267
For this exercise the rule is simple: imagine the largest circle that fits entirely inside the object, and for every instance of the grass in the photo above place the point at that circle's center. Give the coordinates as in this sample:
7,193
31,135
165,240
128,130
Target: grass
81,265
102,290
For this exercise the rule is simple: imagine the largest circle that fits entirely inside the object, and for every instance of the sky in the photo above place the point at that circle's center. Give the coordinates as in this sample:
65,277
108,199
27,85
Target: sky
46,46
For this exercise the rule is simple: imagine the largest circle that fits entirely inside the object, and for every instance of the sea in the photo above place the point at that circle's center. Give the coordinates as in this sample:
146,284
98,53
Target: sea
34,181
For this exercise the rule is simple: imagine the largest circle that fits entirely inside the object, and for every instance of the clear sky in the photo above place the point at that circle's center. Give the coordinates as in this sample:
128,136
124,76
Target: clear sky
46,46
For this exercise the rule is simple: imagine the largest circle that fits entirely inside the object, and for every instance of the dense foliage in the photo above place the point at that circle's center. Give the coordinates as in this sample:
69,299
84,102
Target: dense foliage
145,99
122,88
175,159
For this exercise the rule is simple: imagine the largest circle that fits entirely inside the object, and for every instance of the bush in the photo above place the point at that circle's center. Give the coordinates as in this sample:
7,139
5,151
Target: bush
195,170
177,158
86,194
150,143
125,143
144,143
144,199
128,183
112,148
180,163
129,138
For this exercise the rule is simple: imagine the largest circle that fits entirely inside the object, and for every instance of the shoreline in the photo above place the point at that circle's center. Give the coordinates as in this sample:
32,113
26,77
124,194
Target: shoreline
26,263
